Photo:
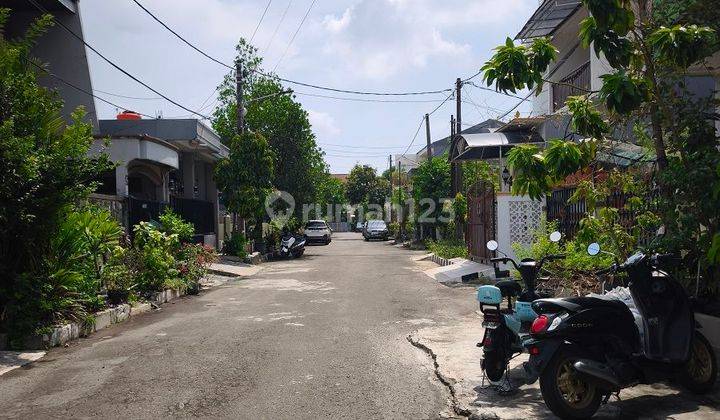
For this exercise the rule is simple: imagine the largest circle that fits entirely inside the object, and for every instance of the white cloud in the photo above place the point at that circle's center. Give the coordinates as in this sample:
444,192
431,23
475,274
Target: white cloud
323,124
378,39
334,24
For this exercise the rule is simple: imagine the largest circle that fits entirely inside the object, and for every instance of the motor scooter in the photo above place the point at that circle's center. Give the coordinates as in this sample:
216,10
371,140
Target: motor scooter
583,349
506,328
292,246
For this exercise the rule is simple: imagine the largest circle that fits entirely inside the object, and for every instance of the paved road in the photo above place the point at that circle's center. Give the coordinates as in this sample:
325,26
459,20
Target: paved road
323,336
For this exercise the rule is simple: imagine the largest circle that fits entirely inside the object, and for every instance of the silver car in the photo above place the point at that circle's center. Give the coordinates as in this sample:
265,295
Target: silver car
375,229
318,231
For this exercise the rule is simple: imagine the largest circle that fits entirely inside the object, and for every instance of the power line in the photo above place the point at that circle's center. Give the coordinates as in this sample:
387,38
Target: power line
277,27
493,90
72,85
145,98
125,72
362,147
295,82
260,21
422,121
287,48
180,37
390,101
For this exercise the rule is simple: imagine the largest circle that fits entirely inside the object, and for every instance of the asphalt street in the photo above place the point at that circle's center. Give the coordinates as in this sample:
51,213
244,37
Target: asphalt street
323,336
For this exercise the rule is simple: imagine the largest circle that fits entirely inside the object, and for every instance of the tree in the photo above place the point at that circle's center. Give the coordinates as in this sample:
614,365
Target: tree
245,176
431,185
44,170
299,164
330,191
651,47
361,183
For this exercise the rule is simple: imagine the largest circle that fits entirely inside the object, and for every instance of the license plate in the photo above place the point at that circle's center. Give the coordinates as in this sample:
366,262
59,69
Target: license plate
490,325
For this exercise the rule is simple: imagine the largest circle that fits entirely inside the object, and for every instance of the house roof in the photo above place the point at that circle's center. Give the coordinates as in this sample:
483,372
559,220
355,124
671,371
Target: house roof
188,134
548,17
439,147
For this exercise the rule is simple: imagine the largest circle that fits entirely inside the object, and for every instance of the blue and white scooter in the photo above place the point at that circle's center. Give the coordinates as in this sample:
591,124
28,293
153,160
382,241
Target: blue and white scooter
506,328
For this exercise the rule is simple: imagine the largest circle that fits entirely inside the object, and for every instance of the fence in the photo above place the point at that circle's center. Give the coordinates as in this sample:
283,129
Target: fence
576,83
568,215
198,212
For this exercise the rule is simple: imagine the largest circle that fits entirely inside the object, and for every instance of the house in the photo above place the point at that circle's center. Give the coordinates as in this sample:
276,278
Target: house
577,71
61,51
341,177
162,163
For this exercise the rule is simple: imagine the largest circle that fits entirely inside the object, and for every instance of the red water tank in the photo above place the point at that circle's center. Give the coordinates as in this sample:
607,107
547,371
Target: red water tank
129,115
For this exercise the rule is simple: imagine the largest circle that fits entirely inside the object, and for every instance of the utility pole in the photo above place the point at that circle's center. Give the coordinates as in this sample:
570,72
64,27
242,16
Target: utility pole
391,187
452,146
240,127
427,135
239,97
400,210
456,169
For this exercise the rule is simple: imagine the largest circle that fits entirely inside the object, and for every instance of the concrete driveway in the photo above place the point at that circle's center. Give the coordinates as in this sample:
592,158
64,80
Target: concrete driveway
319,337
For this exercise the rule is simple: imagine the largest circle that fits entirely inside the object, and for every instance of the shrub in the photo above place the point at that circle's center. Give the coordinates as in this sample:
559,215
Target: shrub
447,248
235,245
194,261
156,265
45,170
173,224
394,228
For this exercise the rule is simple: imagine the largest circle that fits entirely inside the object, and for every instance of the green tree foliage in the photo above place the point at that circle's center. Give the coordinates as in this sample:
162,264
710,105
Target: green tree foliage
329,191
245,176
44,169
431,181
298,161
651,53
365,187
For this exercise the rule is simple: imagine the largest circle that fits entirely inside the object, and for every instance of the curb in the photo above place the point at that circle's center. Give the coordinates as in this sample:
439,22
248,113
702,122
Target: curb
440,260
63,334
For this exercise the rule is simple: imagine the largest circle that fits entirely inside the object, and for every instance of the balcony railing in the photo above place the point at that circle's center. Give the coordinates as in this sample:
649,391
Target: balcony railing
575,83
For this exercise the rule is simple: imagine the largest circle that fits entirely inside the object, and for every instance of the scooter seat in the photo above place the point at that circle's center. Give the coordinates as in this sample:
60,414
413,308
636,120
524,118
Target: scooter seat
575,304
509,288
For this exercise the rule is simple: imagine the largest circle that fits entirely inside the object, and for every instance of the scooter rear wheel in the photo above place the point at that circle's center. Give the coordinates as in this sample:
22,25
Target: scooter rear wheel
700,372
494,364
565,393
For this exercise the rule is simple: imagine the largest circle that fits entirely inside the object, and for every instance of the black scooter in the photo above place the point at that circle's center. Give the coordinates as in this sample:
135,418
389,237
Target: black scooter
583,349
506,328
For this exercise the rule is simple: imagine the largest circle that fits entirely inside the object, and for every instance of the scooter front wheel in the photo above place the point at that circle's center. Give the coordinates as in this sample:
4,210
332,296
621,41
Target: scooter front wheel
567,394
700,372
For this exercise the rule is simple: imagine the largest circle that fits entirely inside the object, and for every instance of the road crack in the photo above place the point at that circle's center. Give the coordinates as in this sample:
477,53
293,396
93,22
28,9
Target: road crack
447,382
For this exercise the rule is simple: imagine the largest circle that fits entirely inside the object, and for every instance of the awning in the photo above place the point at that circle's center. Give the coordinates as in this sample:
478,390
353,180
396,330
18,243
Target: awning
483,146
548,17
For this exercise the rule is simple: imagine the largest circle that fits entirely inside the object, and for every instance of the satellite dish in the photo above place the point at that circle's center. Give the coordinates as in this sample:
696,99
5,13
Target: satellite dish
492,245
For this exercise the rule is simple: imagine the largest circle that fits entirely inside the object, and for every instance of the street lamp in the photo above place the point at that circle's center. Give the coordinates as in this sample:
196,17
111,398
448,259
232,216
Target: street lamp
506,177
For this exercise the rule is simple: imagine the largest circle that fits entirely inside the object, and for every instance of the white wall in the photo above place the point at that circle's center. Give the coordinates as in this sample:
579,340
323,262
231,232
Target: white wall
505,219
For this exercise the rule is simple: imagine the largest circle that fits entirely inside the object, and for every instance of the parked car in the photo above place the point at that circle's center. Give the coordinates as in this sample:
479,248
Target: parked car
318,231
375,229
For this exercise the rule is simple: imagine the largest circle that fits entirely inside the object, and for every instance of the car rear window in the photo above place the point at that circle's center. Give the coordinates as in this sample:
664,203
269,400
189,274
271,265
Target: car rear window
315,225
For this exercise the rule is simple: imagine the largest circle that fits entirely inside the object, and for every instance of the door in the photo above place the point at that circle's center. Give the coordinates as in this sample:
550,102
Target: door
481,221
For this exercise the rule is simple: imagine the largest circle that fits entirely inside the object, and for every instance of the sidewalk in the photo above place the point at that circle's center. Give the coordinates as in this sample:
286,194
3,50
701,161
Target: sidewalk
458,366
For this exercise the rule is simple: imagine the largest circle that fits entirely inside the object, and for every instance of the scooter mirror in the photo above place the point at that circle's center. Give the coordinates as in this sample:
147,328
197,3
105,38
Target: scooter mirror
593,248
555,236
492,245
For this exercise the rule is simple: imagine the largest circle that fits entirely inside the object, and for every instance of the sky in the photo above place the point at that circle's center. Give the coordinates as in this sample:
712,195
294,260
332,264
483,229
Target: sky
367,45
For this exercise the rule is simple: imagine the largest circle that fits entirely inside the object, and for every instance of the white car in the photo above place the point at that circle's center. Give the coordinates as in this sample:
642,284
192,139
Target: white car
318,231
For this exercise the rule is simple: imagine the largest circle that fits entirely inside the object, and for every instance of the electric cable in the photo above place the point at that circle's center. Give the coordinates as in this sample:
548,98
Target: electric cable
122,70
